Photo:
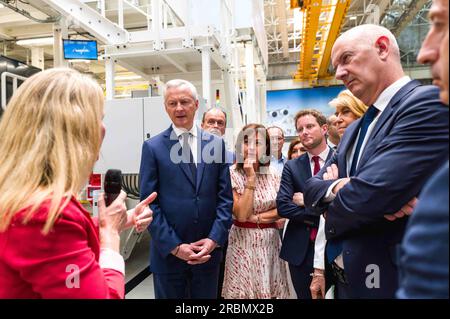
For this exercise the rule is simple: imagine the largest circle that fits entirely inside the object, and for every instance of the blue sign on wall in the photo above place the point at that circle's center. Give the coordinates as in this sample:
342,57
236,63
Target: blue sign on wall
283,105
80,49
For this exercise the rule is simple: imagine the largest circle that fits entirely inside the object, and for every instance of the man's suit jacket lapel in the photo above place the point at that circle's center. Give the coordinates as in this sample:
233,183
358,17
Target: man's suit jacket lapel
387,114
330,154
305,168
171,140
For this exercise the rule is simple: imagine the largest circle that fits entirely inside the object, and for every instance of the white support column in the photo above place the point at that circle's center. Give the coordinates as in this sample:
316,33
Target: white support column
206,76
109,77
149,18
120,12
156,24
102,7
165,17
37,57
250,82
188,42
59,33
262,103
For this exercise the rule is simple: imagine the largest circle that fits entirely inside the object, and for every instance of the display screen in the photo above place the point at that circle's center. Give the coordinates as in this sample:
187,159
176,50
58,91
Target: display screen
283,105
80,49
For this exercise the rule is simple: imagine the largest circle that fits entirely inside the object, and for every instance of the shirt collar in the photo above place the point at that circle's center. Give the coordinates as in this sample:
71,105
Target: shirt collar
280,160
323,156
178,131
386,96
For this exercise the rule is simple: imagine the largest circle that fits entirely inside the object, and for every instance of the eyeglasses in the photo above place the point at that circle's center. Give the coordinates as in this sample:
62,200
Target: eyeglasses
184,103
220,123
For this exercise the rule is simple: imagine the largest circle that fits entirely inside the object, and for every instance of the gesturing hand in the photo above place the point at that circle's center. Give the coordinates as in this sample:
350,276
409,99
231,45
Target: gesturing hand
141,216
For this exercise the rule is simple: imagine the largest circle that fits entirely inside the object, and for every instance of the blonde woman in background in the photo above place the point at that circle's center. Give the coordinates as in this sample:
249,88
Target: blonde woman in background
348,109
50,247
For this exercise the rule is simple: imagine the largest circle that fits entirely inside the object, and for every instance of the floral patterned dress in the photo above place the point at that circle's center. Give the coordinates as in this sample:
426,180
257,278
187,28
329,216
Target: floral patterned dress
253,269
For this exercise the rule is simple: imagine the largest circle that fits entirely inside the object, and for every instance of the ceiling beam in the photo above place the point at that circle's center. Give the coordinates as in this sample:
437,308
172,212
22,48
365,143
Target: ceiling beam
178,65
90,20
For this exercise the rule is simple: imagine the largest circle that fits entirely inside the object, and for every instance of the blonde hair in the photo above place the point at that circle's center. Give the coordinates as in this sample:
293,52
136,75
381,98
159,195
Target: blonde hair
50,140
347,99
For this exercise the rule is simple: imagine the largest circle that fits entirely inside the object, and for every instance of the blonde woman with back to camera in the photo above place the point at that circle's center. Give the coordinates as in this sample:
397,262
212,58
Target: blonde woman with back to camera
50,247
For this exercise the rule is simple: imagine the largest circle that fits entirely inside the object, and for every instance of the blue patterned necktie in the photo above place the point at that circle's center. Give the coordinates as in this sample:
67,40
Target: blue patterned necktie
368,118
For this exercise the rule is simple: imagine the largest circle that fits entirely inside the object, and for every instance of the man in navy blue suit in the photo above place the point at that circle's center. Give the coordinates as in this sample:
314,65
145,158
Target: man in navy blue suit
192,215
298,242
382,162
424,259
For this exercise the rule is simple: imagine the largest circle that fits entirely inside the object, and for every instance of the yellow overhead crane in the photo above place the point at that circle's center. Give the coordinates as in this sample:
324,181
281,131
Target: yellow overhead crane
322,22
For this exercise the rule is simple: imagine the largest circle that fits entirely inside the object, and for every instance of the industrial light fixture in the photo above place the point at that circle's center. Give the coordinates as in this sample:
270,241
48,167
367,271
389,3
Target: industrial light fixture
80,61
352,18
127,77
36,42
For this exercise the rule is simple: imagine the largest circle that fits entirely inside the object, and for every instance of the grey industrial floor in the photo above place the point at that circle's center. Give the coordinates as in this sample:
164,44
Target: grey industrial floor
135,264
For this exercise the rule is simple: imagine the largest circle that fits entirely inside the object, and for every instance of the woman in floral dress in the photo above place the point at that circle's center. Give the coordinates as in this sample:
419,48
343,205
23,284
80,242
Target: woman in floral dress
253,269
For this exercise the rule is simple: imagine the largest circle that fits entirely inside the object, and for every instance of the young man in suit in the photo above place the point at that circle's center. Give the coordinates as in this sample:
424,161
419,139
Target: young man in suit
192,215
298,242
424,254
383,161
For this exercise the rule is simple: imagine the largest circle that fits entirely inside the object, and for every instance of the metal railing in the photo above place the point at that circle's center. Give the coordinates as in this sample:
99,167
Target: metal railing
15,78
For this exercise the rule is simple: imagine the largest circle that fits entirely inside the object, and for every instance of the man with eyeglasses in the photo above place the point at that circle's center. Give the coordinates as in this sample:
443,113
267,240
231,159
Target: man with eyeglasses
276,146
214,121
192,215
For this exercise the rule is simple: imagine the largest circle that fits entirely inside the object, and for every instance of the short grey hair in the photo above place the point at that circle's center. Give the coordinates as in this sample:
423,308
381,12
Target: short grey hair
180,83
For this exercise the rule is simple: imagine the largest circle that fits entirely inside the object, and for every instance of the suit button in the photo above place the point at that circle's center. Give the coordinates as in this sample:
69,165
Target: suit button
332,231
347,252
195,221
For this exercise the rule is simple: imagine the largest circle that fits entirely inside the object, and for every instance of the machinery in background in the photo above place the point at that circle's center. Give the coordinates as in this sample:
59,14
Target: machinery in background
129,122
12,75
